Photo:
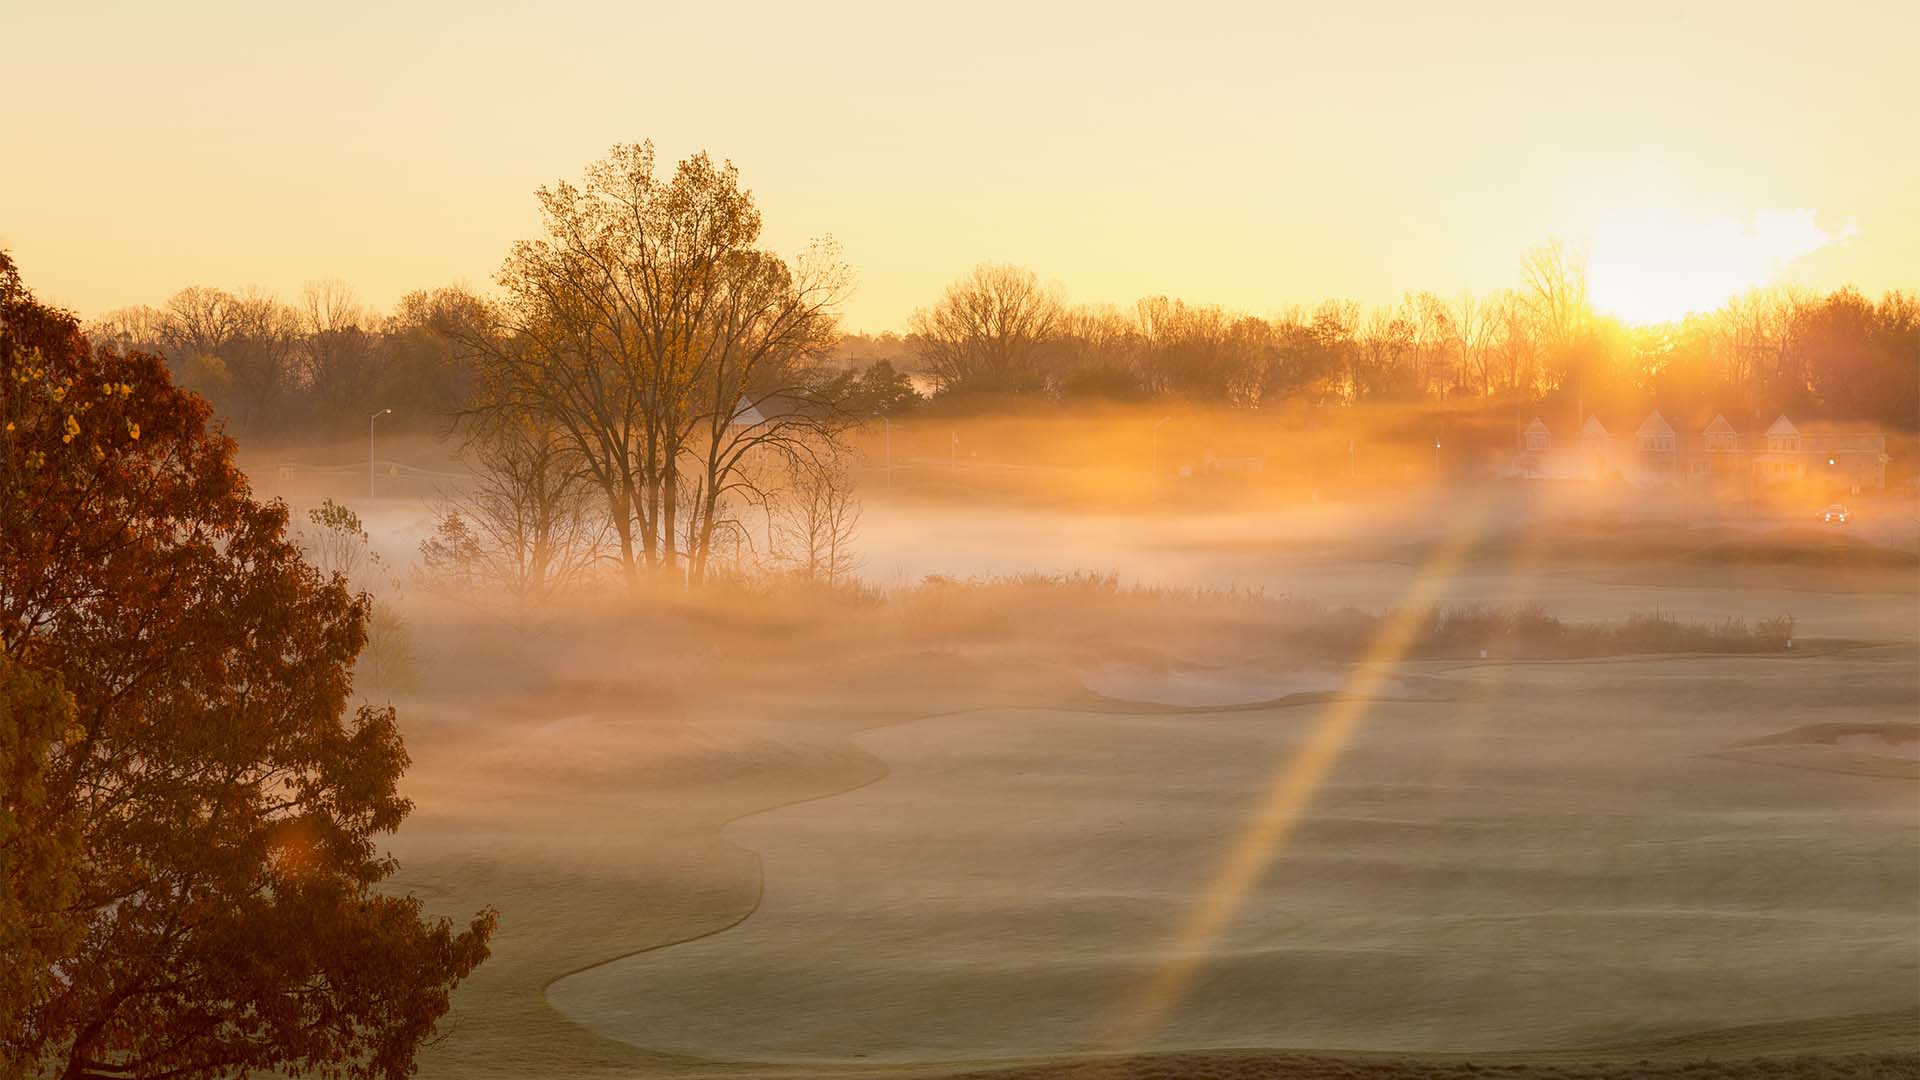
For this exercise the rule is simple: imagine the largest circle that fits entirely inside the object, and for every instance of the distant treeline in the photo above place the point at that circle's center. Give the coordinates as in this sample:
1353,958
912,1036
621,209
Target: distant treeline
1000,334
1000,338
320,366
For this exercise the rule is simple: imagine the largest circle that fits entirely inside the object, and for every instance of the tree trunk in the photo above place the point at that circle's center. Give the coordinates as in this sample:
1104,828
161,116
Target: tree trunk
697,557
620,505
669,509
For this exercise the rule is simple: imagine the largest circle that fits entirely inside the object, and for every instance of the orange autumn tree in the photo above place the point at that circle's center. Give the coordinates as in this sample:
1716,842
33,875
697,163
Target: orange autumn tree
217,914
37,848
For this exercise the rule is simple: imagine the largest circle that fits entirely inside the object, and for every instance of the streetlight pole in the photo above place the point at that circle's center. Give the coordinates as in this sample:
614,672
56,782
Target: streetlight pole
1154,478
370,421
1686,481
888,426
1436,457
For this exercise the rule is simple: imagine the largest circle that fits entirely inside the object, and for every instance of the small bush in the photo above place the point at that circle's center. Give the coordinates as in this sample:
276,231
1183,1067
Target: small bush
1088,607
1530,633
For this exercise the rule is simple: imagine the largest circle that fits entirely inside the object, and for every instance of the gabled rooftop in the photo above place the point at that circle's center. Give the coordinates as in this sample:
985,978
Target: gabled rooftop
746,415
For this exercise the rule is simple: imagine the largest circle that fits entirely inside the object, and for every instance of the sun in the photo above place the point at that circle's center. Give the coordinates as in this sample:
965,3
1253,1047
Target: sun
1650,265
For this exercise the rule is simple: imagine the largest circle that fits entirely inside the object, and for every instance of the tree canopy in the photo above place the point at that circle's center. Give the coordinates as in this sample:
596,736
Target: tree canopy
665,349
177,685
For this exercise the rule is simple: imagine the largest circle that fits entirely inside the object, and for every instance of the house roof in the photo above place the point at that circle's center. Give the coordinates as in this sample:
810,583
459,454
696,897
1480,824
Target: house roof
1655,424
1719,426
746,415
1783,426
1593,426
1538,425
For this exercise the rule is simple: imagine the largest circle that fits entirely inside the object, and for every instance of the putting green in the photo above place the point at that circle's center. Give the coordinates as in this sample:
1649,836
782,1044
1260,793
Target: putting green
1563,857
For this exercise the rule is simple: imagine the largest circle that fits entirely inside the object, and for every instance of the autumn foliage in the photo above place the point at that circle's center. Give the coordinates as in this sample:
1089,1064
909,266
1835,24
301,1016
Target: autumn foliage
175,692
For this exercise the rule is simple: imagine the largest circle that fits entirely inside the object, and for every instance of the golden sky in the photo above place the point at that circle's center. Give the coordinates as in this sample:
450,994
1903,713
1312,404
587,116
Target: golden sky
1251,154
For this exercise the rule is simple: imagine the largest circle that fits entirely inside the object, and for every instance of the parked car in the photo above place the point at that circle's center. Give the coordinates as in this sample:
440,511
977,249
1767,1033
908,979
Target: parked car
1834,515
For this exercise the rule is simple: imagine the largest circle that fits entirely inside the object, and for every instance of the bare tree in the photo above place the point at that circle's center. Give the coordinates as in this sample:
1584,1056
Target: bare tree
1186,350
1556,282
340,353
819,520
1472,328
1251,340
1758,332
235,348
644,328
260,357
1335,322
197,325
1100,344
1514,349
1435,371
1386,351
575,342
989,330
532,525
198,321
766,394
131,329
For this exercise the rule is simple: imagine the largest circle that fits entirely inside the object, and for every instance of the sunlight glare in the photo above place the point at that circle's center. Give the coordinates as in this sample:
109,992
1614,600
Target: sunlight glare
1650,266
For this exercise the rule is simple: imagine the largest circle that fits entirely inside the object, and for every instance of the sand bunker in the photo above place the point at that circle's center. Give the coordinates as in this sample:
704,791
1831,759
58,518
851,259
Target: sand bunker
1902,746
1871,749
1195,686
1470,878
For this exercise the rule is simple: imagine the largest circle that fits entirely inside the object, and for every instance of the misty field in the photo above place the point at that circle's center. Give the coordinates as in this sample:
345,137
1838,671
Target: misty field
1548,861
964,542
973,825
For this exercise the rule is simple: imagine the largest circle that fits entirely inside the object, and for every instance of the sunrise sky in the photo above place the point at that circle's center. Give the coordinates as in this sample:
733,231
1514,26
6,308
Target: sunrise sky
1256,155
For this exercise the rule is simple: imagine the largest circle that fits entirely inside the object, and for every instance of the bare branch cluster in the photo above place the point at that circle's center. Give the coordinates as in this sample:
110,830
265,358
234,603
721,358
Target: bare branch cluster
662,350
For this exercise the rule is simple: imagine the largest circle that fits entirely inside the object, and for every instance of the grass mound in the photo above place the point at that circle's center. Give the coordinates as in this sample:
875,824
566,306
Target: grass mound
1804,548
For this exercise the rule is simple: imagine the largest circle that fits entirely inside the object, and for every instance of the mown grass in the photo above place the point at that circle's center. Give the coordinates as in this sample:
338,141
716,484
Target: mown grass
1088,616
1258,1066
642,864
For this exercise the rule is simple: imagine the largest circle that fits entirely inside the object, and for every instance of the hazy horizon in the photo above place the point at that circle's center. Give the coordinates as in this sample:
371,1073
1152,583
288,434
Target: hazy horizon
1304,599
1248,157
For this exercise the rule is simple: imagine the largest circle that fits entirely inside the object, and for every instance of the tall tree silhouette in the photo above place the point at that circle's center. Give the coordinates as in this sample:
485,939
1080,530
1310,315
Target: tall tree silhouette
227,800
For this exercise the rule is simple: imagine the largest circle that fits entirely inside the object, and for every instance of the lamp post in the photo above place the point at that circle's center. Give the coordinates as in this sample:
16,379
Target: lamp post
1436,456
887,425
370,421
1154,478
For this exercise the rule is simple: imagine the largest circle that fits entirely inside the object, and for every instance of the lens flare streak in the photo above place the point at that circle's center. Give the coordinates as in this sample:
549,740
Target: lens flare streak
1291,793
